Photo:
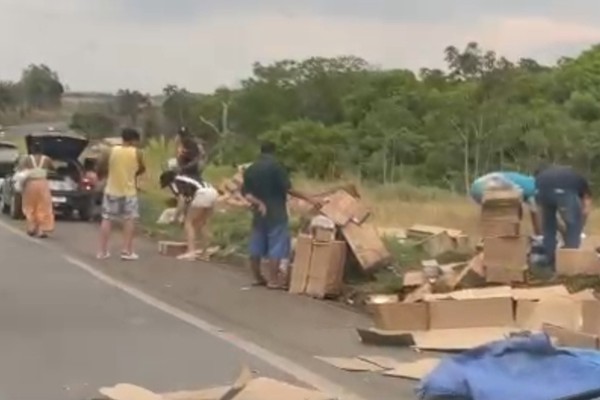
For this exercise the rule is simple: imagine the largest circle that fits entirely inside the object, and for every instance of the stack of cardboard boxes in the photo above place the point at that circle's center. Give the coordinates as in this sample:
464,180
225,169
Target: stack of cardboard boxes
318,268
504,248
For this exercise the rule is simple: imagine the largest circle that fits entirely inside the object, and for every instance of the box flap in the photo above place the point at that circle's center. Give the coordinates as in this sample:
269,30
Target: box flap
563,312
471,313
538,293
481,293
459,339
366,244
414,370
127,391
342,208
380,361
570,338
352,364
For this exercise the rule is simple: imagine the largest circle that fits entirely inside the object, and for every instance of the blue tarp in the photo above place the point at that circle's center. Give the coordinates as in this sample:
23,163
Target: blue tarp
519,368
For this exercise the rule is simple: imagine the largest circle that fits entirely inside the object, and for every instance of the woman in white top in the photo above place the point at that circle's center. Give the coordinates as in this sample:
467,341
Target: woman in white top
37,199
200,198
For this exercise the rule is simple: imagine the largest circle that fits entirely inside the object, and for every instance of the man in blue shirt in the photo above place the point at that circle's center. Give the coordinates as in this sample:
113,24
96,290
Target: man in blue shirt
509,180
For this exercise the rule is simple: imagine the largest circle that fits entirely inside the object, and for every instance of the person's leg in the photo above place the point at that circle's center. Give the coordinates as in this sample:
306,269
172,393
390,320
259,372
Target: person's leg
130,212
190,233
279,249
45,209
28,207
549,225
569,207
200,223
109,211
257,248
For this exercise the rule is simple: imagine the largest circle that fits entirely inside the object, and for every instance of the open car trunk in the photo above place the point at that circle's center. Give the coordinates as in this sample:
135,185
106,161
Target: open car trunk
58,146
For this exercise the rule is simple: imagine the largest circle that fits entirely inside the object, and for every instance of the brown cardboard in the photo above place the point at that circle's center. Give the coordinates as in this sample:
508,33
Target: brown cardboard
479,293
301,264
505,275
439,244
414,370
126,391
400,316
341,208
420,232
473,275
570,262
538,293
499,227
504,252
502,197
459,339
475,313
570,338
323,234
366,244
382,362
558,311
378,337
413,279
326,272
171,249
353,364
509,213
590,316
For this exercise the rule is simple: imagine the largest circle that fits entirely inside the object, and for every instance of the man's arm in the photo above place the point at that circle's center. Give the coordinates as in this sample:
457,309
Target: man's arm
141,164
247,193
102,166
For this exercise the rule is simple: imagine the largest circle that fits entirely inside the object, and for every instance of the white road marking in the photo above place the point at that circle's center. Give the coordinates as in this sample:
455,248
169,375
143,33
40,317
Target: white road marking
297,371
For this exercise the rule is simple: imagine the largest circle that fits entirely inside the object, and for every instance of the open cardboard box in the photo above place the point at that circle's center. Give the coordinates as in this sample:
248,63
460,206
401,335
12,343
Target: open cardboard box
468,318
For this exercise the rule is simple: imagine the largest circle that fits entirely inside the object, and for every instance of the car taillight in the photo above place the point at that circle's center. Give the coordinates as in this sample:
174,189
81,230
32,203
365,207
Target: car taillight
87,184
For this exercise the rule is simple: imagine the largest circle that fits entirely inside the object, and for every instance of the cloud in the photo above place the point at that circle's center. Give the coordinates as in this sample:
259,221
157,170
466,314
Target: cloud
146,44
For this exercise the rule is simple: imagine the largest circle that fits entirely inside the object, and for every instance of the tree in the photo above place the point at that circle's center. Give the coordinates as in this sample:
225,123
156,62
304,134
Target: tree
130,104
41,87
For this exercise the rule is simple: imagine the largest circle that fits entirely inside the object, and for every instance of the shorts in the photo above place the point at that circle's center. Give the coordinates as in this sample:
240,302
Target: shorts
205,198
270,242
120,207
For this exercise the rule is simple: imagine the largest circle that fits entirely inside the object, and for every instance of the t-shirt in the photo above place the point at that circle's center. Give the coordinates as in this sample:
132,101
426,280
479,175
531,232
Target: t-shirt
524,183
267,180
562,177
123,165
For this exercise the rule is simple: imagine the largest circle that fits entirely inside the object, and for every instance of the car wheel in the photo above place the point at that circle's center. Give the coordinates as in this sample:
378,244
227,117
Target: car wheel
16,207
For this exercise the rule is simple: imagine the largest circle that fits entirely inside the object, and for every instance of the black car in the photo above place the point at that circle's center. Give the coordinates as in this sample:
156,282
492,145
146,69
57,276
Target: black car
71,191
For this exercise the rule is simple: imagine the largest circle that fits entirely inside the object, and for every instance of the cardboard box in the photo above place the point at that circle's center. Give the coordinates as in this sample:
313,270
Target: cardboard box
326,271
472,313
558,311
171,249
301,264
570,338
505,275
505,252
570,262
502,197
499,227
590,316
323,234
400,316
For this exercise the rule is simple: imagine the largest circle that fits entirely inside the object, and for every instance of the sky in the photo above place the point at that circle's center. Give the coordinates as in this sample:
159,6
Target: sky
105,45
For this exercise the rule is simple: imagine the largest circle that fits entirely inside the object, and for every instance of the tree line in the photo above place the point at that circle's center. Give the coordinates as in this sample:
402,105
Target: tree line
341,115
38,88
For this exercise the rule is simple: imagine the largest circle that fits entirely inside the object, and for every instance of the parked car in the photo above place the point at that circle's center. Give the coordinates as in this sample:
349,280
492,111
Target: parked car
9,154
71,191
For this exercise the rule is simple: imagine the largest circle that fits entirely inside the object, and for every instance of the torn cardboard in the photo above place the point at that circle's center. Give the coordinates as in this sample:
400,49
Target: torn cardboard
342,208
570,338
353,364
366,244
562,312
301,264
414,370
473,275
385,363
459,339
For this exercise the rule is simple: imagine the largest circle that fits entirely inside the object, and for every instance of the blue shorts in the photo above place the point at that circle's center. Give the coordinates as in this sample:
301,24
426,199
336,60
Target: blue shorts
270,242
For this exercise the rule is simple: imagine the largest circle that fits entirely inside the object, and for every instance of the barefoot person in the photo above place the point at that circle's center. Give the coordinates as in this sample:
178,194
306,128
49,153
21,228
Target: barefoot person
121,165
199,198
37,199
266,186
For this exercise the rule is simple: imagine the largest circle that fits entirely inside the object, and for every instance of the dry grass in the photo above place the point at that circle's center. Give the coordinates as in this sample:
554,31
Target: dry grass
394,206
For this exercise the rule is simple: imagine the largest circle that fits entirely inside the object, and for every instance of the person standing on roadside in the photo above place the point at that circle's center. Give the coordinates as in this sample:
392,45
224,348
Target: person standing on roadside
37,198
121,165
562,190
266,186
190,159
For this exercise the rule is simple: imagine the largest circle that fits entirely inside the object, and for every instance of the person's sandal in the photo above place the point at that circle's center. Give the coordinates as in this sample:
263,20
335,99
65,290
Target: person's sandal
188,256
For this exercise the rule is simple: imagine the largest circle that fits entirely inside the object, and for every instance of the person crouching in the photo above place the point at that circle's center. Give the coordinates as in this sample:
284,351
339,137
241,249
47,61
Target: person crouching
200,198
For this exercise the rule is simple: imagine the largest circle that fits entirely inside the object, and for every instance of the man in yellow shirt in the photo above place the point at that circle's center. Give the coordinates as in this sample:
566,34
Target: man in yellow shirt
121,165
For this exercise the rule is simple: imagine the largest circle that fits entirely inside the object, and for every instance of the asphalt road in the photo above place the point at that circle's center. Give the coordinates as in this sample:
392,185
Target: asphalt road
65,333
